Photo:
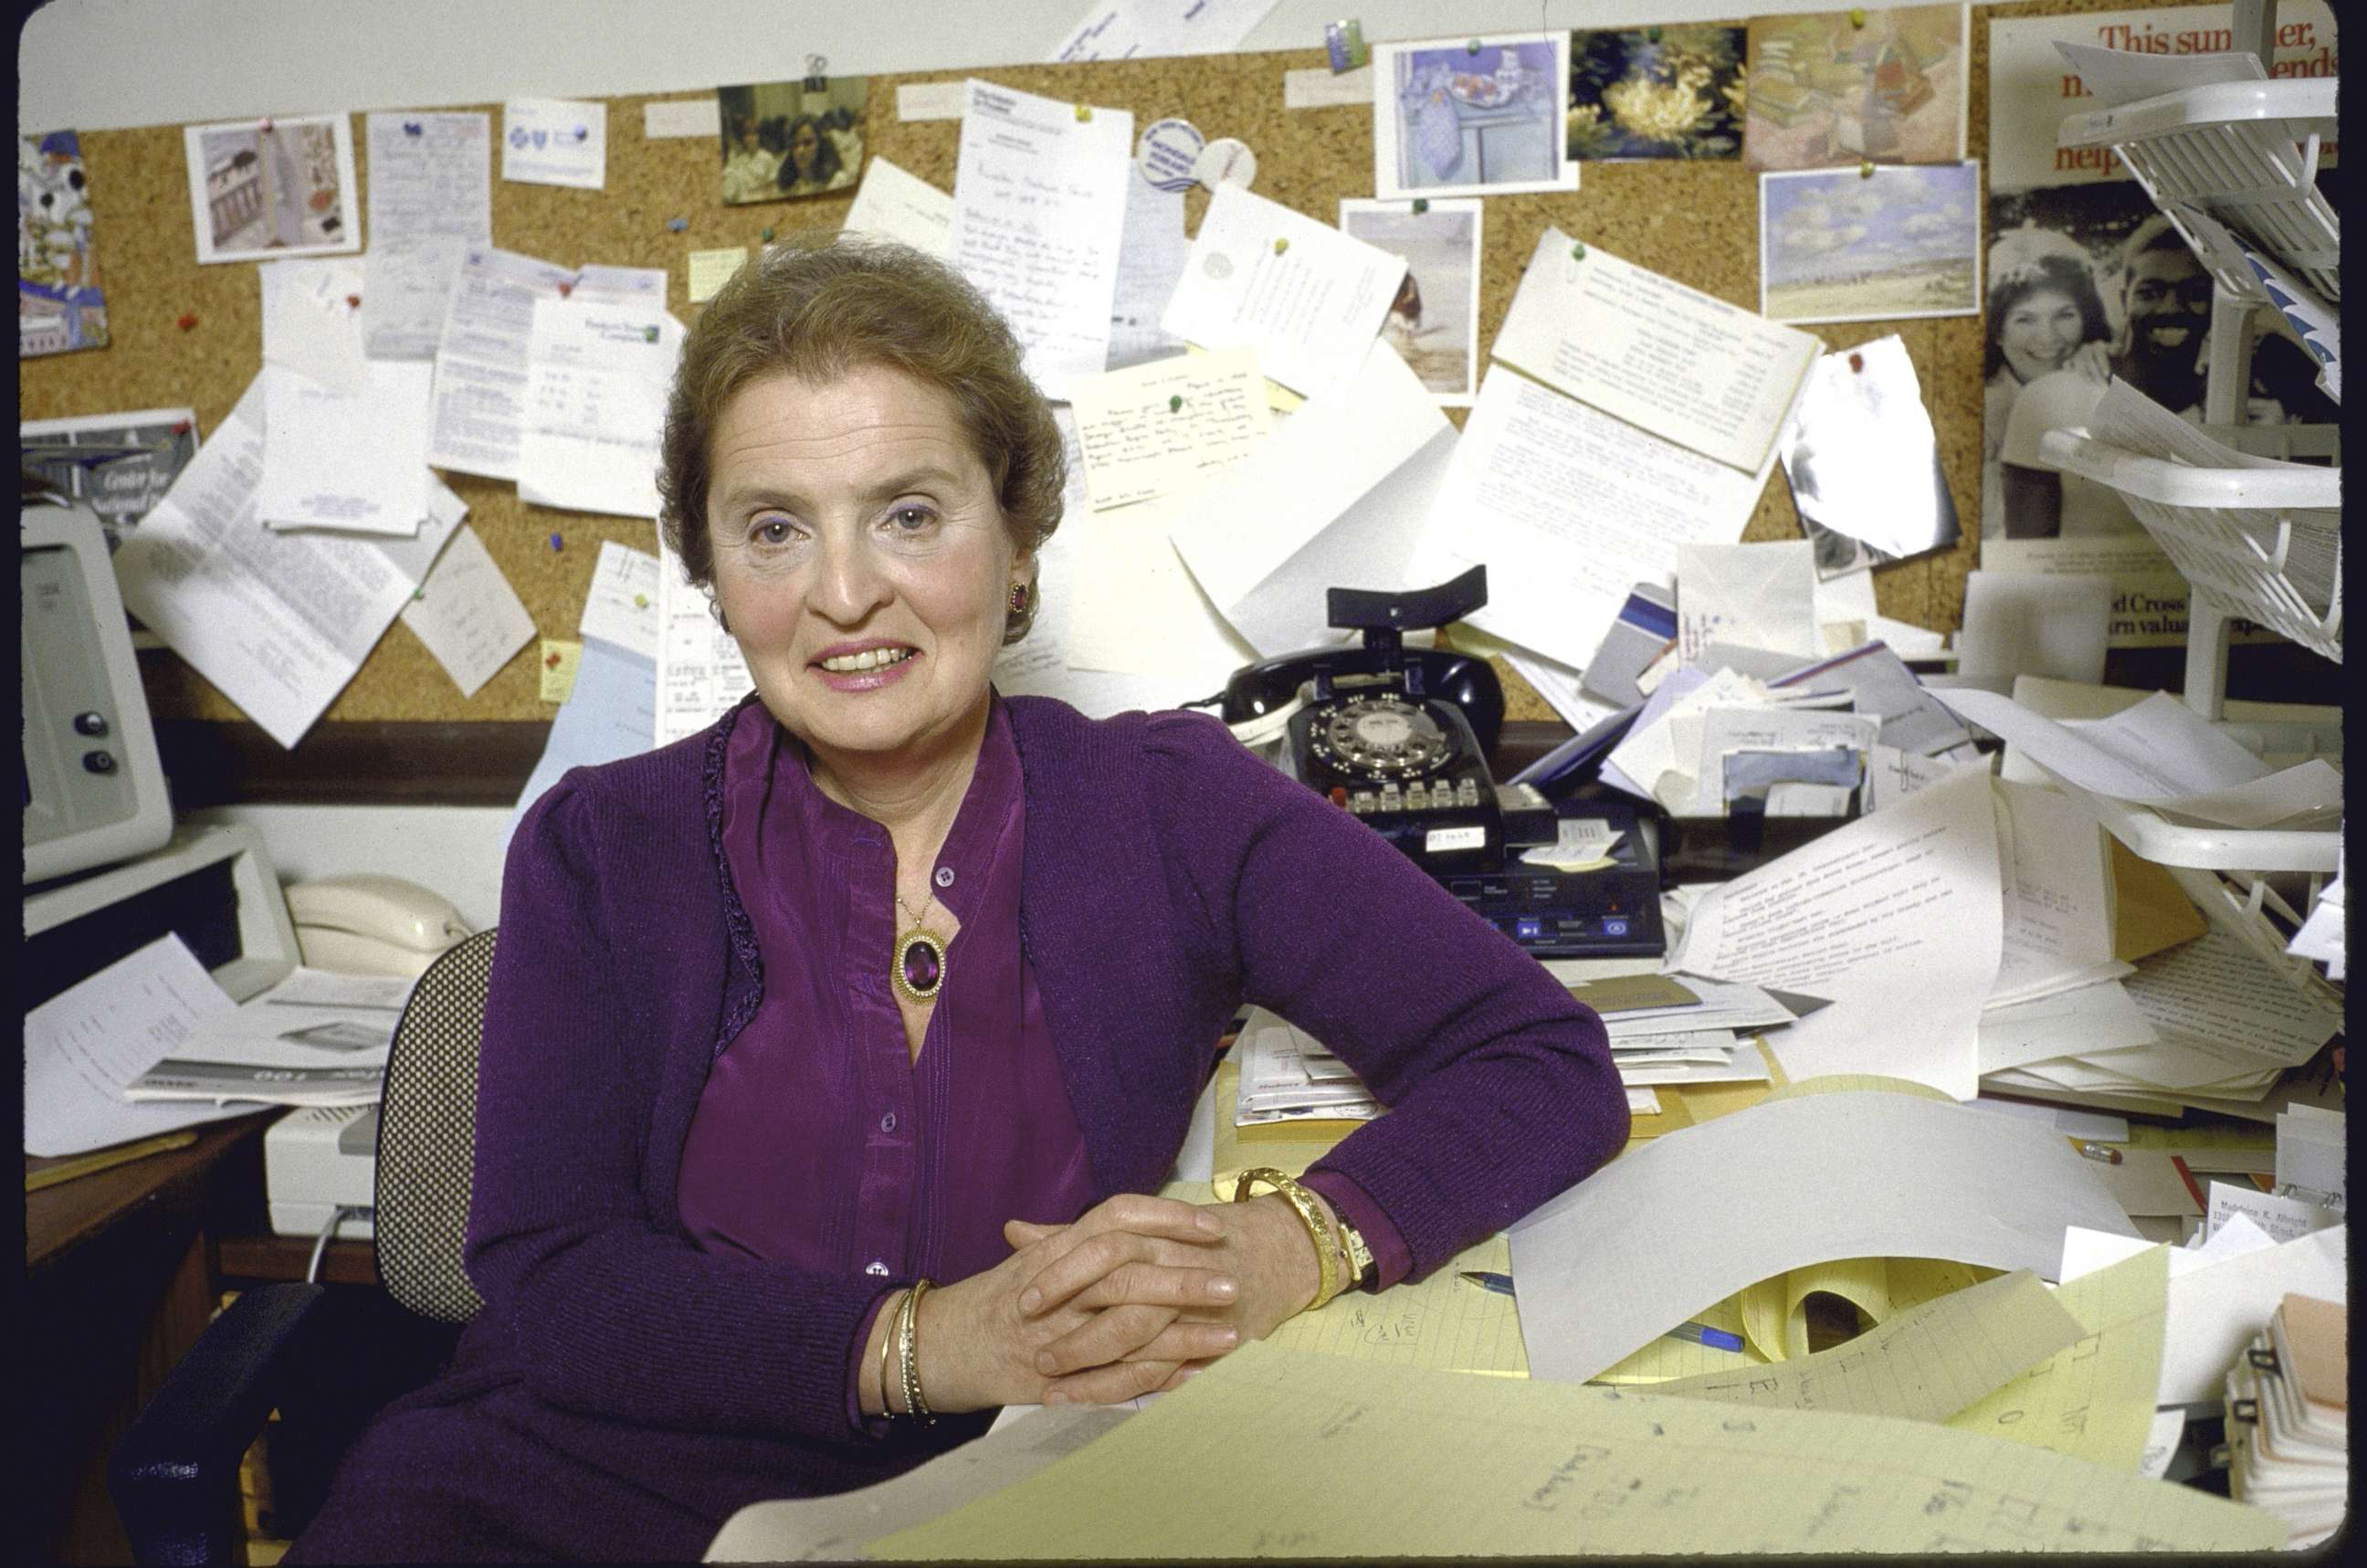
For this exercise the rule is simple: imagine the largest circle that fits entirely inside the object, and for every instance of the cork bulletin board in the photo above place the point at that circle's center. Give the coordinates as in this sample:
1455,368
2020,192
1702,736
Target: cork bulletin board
1696,221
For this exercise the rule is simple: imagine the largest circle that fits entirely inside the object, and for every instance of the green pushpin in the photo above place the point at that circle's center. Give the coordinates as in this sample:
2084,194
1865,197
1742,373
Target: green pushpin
1175,404
1578,251
1651,35
1421,203
766,236
1471,48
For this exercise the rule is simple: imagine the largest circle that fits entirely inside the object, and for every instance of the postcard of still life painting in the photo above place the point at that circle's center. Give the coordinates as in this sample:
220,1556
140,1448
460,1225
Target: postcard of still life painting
1884,86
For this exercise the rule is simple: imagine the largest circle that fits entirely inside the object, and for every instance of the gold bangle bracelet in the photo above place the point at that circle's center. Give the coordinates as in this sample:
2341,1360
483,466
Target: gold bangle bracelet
909,1355
887,1346
1302,1202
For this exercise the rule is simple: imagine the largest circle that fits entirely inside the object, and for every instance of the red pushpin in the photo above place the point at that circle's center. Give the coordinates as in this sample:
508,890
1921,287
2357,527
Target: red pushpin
353,301
1857,362
264,125
551,661
180,427
189,320
565,287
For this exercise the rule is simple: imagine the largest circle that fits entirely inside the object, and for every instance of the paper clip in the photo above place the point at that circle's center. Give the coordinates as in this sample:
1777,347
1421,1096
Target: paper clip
1084,112
1865,169
1421,203
1175,404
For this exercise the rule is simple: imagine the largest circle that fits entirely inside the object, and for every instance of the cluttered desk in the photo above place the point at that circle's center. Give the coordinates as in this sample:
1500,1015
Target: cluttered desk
1851,892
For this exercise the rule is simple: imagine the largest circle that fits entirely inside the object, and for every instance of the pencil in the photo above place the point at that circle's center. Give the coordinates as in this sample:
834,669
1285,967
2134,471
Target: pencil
106,1159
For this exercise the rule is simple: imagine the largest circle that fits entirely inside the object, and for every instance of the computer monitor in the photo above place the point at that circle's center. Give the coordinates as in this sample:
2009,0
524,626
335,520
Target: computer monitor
94,792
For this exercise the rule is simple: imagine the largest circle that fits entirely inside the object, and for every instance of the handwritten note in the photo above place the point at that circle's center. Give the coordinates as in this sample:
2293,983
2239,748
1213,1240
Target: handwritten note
1310,298
711,270
2094,1399
1039,201
1163,427
621,607
560,662
430,174
467,614
1708,375
892,204
1410,1461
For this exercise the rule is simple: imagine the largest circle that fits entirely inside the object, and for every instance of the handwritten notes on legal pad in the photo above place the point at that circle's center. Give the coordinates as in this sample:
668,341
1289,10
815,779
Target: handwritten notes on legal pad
1407,1461
1166,427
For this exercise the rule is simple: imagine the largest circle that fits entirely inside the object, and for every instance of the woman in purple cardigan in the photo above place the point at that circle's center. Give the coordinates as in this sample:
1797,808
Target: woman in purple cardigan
886,980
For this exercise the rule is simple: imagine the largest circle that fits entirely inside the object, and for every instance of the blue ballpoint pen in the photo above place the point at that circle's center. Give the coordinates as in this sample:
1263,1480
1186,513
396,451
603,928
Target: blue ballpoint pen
1699,1333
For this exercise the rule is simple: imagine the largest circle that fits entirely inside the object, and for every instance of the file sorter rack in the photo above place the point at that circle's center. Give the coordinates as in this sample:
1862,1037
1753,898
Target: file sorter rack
2248,150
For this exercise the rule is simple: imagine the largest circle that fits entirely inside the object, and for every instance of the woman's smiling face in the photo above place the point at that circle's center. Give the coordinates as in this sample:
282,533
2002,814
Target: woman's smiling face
861,559
2040,331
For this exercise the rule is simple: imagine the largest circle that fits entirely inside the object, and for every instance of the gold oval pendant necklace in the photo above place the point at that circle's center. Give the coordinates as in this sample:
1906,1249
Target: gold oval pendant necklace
918,972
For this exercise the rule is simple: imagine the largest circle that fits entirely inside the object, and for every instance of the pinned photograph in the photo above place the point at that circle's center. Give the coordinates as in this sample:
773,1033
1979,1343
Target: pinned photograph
789,139
261,190
1899,241
1655,93
59,306
1850,86
1433,323
2087,282
1471,117
119,465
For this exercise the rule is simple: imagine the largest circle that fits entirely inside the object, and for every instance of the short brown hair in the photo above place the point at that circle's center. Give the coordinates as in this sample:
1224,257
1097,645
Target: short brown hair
820,304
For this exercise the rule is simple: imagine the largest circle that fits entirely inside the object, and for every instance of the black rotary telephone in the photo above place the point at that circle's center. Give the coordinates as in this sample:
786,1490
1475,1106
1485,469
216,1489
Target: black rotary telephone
1398,736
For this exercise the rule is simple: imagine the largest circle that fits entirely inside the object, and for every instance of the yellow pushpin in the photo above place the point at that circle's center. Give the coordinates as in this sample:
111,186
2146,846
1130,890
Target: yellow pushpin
640,601
1280,246
1865,169
1857,18
1083,112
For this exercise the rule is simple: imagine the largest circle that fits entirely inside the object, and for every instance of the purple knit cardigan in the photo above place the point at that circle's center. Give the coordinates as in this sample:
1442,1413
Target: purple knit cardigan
1170,877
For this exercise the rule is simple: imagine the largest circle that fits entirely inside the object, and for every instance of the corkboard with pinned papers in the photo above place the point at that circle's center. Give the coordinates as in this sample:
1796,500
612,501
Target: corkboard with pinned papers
1694,221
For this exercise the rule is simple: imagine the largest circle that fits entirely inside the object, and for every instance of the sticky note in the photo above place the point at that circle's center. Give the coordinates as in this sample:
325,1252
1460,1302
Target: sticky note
558,667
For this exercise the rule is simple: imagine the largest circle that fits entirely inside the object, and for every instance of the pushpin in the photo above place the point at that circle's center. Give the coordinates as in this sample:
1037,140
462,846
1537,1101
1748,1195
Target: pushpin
264,125
1865,169
1280,246
1577,250
181,427
1421,203
1175,404
1857,363
1083,112
551,661
411,128
555,541
677,224
766,236
566,287
1651,35
1471,48
1857,18
418,596
640,601
189,320
353,302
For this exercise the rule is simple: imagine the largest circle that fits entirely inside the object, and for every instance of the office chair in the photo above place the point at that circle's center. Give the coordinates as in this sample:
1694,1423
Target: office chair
326,1360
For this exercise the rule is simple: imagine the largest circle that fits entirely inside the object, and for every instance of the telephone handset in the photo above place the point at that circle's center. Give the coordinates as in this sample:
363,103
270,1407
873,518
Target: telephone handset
1398,736
368,924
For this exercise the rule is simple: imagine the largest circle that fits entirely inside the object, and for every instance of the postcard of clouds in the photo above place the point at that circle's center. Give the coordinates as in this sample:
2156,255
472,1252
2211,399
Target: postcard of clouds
1900,241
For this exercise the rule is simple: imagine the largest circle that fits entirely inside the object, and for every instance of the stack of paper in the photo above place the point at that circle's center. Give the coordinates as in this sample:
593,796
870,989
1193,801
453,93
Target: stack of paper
1286,1074
2289,1418
2320,937
314,1038
1683,1030
2311,1146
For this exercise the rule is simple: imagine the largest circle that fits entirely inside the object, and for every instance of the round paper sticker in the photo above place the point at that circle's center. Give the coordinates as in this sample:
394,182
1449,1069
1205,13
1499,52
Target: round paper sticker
1226,161
1165,153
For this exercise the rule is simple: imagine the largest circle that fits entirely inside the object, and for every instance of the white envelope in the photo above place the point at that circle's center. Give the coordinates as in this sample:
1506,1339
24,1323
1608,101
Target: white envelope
1759,596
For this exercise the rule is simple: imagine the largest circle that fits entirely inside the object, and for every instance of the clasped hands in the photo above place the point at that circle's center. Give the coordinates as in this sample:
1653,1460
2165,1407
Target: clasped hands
1131,1298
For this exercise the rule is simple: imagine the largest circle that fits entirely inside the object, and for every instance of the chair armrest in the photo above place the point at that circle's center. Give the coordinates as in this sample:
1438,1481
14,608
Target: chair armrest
173,1475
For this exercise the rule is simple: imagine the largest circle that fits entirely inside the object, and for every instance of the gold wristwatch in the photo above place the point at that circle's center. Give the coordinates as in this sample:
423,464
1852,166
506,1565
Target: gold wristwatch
1359,1256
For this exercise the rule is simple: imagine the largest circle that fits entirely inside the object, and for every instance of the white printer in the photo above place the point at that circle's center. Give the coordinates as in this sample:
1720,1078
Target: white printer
318,1160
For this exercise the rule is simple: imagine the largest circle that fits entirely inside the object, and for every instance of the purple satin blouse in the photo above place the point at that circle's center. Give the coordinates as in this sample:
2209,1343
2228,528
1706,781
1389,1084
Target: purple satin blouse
817,1141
